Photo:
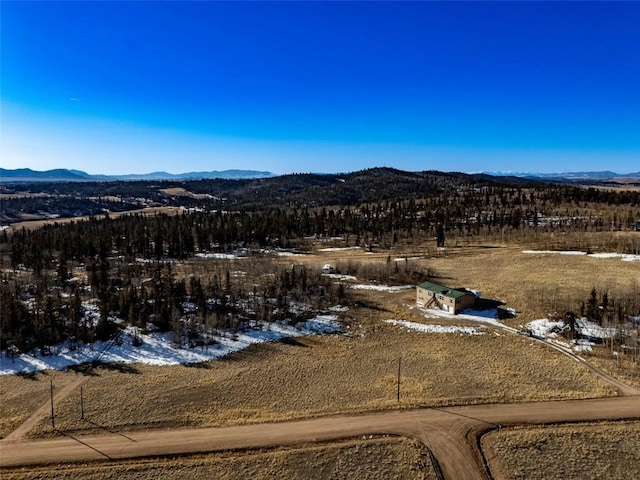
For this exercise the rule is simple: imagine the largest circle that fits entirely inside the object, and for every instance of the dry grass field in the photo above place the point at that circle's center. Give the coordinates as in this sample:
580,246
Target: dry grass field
11,196
388,458
21,395
354,372
182,192
534,283
622,366
37,223
608,450
322,375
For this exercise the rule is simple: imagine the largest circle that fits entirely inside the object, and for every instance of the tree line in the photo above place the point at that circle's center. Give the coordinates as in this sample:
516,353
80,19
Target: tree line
52,306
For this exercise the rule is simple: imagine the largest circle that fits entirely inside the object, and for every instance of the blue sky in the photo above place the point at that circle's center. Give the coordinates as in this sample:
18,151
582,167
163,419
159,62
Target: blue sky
128,87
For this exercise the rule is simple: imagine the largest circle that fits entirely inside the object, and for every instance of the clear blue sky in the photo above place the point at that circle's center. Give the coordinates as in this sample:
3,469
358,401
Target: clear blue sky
126,87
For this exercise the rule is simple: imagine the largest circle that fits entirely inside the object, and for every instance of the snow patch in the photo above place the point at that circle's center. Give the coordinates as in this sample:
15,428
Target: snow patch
583,346
421,327
561,252
220,256
318,325
623,256
338,276
593,330
482,316
285,253
382,288
338,308
159,348
544,327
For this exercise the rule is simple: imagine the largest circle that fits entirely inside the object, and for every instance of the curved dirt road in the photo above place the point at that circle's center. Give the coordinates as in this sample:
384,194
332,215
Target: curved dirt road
451,433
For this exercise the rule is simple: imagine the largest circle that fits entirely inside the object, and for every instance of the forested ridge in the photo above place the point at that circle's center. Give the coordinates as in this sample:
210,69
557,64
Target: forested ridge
295,190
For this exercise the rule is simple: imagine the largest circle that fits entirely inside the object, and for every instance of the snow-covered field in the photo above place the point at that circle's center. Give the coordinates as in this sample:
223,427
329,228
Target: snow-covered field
623,256
421,327
159,348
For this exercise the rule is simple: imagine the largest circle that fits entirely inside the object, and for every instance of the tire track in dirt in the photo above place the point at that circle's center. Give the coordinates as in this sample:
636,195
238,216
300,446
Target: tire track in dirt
43,411
622,387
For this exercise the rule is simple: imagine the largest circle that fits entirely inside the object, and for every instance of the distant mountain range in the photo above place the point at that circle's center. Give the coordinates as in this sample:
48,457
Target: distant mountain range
64,175
602,176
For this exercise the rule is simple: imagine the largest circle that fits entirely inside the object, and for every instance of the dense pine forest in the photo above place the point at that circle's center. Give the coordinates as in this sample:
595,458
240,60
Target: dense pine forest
308,191
146,270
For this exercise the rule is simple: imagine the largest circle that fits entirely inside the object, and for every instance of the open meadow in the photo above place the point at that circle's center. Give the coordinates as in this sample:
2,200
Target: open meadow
533,283
37,221
350,372
590,451
312,376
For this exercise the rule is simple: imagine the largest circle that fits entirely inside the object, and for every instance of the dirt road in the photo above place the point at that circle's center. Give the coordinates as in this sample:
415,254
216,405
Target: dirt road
451,433
42,411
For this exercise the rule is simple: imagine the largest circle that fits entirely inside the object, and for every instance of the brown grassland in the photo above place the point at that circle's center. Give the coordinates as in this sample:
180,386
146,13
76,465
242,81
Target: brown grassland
533,284
330,374
354,372
11,196
593,451
32,224
182,192
622,367
20,395
389,458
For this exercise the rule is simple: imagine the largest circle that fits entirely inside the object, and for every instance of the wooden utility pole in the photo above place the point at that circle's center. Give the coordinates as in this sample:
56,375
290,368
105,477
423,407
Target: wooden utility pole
81,404
399,365
53,418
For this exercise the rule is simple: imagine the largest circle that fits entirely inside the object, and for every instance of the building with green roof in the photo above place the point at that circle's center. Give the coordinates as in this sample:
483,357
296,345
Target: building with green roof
452,300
